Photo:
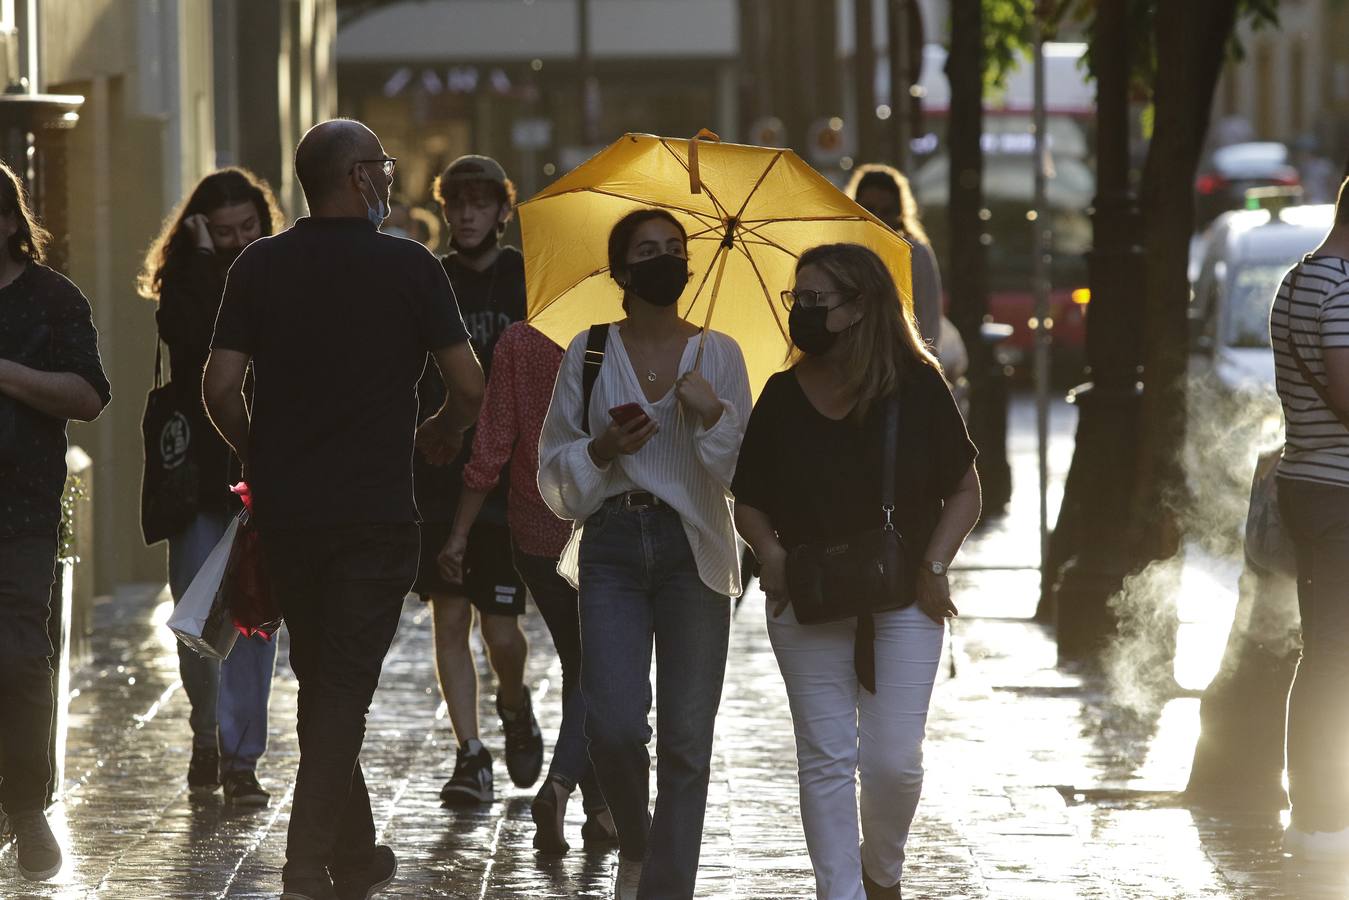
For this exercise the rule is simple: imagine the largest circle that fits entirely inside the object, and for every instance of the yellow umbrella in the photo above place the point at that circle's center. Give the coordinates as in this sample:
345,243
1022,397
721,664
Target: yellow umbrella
750,212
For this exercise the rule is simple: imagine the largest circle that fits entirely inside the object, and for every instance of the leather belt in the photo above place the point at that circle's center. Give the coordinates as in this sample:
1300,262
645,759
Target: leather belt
640,500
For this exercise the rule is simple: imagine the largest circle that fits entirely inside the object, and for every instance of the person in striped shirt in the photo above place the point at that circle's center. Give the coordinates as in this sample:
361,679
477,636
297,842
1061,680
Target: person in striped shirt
1309,332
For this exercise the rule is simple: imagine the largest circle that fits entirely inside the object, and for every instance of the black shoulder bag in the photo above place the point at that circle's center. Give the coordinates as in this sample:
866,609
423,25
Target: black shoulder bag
596,342
859,575
171,480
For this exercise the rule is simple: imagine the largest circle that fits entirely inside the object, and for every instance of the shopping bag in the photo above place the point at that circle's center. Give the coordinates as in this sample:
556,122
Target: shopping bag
202,618
248,592
1268,543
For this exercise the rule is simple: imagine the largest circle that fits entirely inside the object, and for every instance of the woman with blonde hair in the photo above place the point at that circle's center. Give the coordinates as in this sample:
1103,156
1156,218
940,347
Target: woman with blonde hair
811,473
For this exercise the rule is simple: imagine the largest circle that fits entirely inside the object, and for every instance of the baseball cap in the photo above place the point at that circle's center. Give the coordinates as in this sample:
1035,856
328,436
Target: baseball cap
475,168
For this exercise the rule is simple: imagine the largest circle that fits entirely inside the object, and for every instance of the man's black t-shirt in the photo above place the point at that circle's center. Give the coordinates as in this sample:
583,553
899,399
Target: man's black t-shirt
490,301
338,320
45,324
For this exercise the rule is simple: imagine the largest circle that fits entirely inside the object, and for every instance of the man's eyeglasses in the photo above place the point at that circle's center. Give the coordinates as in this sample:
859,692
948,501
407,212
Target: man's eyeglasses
815,299
386,163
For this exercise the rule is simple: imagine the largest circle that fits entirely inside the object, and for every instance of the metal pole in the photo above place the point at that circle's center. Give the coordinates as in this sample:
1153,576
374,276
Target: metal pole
864,78
900,96
1043,322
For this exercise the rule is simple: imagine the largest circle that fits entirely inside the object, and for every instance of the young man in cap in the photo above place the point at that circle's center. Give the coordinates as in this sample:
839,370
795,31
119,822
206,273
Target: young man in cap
477,200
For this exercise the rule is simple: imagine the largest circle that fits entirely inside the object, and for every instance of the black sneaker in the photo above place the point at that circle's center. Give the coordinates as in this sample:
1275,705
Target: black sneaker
875,892
242,789
203,772
308,889
368,880
472,779
524,742
39,853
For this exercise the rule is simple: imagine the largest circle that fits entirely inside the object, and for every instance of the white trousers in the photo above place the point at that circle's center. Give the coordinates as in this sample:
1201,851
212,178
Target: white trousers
843,730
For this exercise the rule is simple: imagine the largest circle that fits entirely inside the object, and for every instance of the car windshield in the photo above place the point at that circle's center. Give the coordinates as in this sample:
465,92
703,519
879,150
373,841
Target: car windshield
1252,288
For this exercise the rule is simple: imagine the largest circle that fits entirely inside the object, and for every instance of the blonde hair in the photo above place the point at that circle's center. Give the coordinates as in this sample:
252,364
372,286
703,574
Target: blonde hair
888,178
884,344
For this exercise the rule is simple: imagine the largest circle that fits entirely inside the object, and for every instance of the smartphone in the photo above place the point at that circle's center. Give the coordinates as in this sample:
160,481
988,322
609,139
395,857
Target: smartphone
627,412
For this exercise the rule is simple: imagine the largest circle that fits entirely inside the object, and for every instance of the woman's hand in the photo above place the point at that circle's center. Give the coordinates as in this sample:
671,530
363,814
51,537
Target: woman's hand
934,597
200,229
623,439
451,559
696,395
773,579
438,440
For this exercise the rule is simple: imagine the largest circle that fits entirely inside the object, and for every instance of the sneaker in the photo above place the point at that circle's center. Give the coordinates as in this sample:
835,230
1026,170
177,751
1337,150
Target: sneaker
472,779
524,742
549,811
203,772
599,831
242,789
364,883
39,853
308,889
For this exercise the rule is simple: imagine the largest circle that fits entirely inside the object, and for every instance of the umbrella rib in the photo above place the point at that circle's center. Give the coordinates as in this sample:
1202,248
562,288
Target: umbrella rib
711,196
762,175
804,219
763,286
700,216
702,284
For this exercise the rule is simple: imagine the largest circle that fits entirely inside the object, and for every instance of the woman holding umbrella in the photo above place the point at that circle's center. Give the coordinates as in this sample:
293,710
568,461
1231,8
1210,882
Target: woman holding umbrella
641,462
810,473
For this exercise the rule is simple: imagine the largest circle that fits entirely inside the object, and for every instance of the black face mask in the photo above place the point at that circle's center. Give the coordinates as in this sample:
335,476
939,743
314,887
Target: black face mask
659,280
485,246
808,330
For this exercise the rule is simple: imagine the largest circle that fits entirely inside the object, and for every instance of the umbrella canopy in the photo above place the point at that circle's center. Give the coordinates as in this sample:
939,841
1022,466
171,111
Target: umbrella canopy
750,212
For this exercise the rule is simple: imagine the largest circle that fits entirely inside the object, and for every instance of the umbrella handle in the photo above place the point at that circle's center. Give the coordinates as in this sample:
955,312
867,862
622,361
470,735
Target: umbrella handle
695,179
725,251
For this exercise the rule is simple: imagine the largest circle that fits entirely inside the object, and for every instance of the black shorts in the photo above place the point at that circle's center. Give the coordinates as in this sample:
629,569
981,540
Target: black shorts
490,580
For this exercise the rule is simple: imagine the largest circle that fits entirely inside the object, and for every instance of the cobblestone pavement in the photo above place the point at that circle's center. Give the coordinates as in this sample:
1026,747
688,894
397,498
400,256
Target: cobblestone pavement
1037,787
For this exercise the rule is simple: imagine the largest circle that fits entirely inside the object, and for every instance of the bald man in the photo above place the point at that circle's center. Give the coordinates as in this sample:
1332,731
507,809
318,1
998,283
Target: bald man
336,320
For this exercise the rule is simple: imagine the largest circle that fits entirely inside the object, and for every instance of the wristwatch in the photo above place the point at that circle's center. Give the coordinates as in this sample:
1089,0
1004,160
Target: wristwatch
934,567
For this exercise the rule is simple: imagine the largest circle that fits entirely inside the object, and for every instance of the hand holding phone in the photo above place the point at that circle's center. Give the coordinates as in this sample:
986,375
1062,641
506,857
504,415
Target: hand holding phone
627,412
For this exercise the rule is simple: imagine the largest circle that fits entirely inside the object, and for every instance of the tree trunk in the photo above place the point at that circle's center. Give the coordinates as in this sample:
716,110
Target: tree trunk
1192,39
966,271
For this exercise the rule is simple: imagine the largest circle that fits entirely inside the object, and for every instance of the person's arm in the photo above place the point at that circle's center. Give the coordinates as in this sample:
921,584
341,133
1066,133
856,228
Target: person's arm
74,385
442,435
958,518
574,469
1336,361
927,294
757,530
450,561
223,393
61,395
721,426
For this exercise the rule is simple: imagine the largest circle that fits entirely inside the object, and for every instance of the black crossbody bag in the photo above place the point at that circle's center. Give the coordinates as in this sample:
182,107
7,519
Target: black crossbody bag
828,581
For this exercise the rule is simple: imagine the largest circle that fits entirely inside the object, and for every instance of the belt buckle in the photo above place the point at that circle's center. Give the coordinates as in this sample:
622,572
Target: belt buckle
631,501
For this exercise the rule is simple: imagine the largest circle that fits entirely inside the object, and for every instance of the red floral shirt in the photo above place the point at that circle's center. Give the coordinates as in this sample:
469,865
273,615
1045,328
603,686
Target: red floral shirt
524,368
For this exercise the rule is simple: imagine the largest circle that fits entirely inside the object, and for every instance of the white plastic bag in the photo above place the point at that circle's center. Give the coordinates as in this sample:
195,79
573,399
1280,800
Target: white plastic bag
1268,543
202,619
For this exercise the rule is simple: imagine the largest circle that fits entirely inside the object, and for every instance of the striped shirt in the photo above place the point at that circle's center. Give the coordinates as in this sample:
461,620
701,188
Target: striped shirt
1316,316
686,465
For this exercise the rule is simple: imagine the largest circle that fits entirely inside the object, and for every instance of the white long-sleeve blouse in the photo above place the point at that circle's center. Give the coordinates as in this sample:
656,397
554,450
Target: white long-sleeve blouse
686,465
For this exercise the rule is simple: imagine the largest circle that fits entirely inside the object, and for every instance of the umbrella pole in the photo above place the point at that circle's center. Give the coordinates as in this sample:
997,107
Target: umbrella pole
724,252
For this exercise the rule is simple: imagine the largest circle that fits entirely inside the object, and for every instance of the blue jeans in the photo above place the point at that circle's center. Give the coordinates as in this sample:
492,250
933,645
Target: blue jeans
557,603
229,700
639,583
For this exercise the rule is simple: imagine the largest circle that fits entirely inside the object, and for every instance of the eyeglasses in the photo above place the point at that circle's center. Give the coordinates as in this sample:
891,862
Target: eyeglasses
815,299
386,163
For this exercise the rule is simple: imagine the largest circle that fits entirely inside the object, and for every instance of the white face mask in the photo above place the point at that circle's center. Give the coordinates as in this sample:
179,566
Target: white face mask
379,212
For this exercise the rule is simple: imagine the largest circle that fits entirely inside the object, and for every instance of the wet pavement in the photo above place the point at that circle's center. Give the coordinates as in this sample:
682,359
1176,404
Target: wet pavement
1038,785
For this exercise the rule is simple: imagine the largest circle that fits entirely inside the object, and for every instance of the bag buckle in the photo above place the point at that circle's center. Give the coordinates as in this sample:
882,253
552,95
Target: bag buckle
888,509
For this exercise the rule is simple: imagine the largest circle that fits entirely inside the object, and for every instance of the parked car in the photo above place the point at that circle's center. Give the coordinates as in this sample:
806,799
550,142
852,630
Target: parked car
1245,256
1231,171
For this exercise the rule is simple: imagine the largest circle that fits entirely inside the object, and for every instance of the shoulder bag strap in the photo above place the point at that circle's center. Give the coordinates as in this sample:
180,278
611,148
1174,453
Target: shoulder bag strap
590,373
1298,359
159,364
891,454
